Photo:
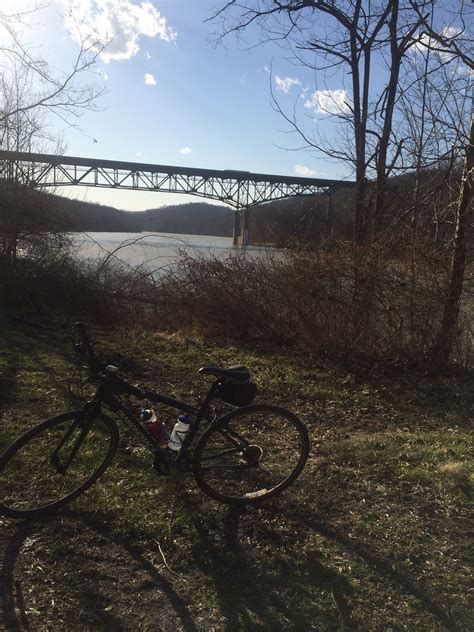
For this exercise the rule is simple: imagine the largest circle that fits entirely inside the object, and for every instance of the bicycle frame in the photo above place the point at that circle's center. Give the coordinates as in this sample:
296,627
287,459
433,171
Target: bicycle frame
109,391
112,387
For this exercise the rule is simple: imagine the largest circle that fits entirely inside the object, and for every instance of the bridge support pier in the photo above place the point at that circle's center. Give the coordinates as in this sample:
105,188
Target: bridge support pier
242,227
245,235
236,235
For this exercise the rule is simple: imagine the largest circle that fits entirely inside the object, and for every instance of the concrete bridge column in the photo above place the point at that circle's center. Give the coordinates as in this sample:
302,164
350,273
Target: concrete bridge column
236,235
241,235
245,236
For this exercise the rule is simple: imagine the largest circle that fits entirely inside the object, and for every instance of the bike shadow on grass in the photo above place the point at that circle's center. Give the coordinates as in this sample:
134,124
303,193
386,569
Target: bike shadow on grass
250,587
253,589
85,581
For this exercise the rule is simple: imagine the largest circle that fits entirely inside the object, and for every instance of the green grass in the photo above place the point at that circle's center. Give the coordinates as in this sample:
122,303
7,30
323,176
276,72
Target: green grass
373,536
412,458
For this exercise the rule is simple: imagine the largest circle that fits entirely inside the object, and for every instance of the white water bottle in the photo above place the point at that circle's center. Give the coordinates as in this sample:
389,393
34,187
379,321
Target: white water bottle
178,435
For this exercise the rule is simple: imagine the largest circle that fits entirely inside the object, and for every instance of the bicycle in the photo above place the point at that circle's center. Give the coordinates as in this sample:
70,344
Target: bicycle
248,455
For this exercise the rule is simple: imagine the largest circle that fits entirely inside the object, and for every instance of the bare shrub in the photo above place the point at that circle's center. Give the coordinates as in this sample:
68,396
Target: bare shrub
380,299
55,282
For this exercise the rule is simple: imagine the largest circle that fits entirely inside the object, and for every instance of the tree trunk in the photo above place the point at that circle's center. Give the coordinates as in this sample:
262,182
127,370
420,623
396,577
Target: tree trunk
381,166
444,343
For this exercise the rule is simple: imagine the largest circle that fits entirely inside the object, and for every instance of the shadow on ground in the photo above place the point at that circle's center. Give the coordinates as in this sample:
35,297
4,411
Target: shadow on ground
76,572
293,586
100,581
251,591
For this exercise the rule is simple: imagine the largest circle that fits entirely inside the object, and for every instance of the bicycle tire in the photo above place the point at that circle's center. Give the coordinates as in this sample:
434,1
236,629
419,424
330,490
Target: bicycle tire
19,477
266,427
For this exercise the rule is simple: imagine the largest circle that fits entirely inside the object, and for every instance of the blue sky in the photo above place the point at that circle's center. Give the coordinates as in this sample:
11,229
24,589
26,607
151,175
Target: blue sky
175,97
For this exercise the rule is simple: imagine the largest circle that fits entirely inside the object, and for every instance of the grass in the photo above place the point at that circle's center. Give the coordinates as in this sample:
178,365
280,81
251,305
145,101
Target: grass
373,536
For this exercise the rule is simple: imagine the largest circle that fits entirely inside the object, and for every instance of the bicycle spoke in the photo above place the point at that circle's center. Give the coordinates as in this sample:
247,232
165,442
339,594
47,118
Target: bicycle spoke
225,466
221,453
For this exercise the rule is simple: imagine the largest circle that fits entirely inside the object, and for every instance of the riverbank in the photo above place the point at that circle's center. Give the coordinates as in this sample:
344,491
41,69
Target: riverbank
374,535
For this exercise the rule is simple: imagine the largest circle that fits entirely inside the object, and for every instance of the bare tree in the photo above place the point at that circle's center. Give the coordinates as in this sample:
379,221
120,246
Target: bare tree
32,92
411,119
51,92
444,343
352,36
371,45
450,43
431,125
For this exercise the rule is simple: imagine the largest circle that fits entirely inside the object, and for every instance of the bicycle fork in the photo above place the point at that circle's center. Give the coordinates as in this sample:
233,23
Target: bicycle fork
84,418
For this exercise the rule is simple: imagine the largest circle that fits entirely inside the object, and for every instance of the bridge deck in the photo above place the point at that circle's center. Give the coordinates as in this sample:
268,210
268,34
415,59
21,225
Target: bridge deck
224,174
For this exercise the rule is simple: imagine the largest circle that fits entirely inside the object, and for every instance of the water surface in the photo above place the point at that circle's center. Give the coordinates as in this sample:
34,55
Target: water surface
156,250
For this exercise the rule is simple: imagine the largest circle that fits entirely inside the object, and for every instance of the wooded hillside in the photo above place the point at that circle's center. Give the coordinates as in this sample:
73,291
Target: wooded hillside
198,218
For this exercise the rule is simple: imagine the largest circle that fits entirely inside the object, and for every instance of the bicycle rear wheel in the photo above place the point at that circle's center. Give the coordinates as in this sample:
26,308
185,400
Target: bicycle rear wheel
53,463
251,454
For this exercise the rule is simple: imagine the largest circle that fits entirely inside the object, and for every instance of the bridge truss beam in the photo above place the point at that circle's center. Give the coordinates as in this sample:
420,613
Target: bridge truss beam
239,189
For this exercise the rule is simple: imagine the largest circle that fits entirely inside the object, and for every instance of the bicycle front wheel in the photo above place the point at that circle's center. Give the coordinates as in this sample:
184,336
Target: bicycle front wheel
251,454
54,462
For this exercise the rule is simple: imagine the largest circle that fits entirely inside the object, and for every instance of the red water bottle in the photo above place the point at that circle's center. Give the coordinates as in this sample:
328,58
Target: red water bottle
156,428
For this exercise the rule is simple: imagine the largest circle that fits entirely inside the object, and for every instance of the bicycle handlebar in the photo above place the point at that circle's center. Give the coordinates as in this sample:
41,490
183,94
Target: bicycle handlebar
85,345
97,365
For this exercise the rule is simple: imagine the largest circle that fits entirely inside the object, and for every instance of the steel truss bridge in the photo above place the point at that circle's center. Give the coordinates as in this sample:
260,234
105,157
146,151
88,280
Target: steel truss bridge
239,189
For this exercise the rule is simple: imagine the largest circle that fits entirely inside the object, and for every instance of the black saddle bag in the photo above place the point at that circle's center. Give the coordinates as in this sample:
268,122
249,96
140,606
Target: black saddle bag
237,394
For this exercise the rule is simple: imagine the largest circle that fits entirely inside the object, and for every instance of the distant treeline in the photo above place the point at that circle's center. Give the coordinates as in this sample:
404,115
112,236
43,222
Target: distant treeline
425,199
280,222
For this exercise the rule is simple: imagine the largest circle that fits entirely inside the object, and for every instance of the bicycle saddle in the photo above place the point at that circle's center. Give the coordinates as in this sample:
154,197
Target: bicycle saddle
238,373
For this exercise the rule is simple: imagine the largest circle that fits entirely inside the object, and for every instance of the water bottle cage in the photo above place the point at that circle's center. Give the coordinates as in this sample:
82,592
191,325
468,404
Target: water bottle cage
178,438
182,435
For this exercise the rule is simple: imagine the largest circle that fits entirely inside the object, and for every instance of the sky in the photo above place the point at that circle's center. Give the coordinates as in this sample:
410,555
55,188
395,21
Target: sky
175,96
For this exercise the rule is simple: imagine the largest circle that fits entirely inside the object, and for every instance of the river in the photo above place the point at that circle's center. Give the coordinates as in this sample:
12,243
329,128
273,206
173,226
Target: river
157,250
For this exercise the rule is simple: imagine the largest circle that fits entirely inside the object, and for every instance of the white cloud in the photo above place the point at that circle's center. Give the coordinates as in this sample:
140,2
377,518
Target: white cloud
450,32
328,102
284,84
185,151
303,170
425,42
121,23
147,55
150,80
